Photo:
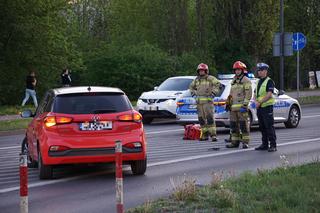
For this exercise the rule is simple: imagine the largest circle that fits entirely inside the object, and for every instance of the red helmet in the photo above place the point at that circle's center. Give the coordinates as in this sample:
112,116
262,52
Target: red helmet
239,65
203,66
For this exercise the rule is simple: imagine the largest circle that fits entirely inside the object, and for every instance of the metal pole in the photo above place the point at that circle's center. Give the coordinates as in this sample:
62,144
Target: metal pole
23,183
298,74
119,179
281,47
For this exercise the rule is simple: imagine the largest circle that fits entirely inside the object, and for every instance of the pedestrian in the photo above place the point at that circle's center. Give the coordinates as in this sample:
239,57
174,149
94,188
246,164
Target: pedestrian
31,83
264,102
204,87
239,98
66,78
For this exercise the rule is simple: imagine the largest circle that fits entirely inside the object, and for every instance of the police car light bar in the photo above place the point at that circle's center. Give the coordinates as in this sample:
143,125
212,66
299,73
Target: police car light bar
230,76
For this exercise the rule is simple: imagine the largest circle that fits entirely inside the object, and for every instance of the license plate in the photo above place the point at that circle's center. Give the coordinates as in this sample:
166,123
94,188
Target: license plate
192,106
151,108
93,126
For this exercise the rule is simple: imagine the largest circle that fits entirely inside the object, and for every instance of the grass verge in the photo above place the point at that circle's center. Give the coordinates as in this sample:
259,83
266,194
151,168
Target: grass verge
285,189
15,109
16,124
309,100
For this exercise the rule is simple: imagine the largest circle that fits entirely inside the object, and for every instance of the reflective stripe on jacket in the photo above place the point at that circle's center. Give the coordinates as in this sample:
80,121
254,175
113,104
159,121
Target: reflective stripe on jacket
241,92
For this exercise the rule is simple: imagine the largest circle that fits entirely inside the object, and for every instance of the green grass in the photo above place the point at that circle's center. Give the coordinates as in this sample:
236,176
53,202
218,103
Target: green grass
309,100
14,110
286,189
14,124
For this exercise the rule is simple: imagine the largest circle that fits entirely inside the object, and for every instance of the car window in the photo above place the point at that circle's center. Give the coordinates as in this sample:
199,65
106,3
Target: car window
175,84
221,89
91,103
43,103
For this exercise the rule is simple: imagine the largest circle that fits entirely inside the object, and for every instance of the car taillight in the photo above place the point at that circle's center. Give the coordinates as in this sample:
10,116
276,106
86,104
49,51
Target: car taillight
133,145
136,117
179,104
58,148
53,120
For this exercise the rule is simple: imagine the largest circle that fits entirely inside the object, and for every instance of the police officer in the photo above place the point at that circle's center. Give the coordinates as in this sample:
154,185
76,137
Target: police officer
240,95
205,87
264,103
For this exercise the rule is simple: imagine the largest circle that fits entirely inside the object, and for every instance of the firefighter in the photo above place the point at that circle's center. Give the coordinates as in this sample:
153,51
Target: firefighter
204,87
264,104
238,101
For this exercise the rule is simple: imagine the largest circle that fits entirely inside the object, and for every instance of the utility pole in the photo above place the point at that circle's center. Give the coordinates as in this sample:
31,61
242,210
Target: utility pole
281,46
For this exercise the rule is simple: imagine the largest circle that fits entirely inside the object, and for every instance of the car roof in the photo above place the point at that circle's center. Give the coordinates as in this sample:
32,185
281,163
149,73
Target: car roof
84,89
184,77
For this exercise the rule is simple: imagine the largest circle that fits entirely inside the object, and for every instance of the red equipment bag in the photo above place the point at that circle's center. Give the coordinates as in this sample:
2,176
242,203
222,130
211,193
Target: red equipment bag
192,132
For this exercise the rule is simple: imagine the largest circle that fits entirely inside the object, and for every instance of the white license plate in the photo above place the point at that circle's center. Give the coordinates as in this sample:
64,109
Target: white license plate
192,106
93,126
151,108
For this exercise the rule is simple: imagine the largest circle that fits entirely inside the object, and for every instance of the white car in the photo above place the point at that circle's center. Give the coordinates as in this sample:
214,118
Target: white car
161,102
287,110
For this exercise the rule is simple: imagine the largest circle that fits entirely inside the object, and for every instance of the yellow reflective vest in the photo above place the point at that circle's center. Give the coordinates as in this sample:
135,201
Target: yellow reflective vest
263,92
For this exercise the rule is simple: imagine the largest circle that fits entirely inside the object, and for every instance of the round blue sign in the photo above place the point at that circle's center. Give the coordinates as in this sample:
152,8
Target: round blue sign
299,41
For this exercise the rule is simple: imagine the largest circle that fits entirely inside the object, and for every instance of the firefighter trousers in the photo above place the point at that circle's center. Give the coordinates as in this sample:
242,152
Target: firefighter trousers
206,119
239,126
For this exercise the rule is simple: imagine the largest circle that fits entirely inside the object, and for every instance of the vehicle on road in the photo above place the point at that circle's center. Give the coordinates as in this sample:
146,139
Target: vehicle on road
161,102
287,110
75,125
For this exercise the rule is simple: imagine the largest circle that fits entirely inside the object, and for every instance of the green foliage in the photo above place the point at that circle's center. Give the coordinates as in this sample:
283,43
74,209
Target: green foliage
135,45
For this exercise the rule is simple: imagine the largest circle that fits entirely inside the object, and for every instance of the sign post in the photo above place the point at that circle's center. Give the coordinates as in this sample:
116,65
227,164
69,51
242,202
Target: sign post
299,41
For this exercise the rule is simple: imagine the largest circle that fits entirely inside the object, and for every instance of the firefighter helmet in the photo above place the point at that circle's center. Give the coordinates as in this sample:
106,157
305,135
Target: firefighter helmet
204,67
239,65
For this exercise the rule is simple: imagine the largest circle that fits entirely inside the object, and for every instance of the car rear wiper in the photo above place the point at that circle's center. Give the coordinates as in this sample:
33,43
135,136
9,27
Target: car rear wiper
101,111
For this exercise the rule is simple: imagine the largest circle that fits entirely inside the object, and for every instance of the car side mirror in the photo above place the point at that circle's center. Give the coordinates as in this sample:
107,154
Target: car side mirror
26,113
281,92
156,88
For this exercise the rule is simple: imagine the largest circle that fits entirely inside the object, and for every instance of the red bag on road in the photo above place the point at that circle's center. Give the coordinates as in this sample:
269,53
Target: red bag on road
192,132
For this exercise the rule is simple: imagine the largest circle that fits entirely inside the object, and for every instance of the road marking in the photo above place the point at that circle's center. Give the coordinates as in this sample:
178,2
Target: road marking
10,147
165,131
225,153
49,182
310,116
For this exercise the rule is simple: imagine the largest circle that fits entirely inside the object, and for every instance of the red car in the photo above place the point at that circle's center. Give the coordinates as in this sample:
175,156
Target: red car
80,125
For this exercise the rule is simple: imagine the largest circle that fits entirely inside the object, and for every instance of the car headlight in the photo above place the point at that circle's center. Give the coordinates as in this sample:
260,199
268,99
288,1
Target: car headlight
171,102
139,102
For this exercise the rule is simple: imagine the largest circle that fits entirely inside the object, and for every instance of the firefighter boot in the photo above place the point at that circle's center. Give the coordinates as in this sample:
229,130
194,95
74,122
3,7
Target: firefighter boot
245,146
233,145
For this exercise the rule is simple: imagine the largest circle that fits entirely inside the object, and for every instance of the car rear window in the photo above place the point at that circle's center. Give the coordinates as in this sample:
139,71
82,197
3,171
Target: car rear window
91,103
175,84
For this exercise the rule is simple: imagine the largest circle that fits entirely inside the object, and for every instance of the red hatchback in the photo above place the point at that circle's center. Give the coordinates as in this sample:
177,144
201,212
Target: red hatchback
80,125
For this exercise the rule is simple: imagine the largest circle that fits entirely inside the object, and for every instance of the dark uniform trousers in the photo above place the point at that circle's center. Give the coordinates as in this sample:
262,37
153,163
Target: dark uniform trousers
265,116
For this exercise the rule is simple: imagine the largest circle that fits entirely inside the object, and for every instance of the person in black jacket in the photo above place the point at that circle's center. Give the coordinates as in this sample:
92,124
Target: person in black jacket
66,78
31,83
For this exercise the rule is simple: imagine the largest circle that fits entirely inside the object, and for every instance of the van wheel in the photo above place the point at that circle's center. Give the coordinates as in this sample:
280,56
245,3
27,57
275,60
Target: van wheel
293,118
45,172
147,120
139,167
24,150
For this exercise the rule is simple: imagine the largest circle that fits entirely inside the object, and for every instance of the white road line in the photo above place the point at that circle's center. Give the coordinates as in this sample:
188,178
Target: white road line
225,153
44,183
10,147
310,116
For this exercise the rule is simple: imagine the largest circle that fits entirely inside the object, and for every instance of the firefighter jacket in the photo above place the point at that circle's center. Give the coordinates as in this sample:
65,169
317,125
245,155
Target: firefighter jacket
241,92
204,88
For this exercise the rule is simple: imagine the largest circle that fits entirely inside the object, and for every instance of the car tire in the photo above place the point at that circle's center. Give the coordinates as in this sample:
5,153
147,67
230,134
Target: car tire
45,172
139,167
147,120
24,150
293,117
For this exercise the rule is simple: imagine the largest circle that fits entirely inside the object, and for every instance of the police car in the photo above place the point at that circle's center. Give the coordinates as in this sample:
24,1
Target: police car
287,110
161,102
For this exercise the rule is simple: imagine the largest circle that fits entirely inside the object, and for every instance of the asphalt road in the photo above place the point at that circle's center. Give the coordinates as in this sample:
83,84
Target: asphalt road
171,159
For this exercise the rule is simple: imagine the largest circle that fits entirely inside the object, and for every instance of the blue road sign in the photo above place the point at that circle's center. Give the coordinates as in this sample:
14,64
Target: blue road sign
299,41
